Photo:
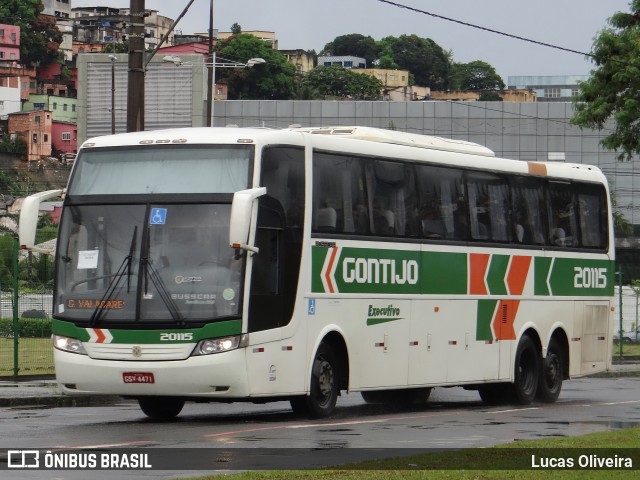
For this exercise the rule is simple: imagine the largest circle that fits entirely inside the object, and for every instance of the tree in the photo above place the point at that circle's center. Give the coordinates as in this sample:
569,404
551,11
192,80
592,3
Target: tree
236,29
116,47
476,76
40,38
353,44
490,96
621,226
425,59
342,82
613,88
272,80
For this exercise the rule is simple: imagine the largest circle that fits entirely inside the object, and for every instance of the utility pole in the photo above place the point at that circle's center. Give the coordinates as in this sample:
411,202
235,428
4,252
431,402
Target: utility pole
135,91
210,70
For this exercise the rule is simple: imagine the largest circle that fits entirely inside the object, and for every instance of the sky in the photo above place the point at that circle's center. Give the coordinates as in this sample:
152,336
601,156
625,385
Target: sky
310,24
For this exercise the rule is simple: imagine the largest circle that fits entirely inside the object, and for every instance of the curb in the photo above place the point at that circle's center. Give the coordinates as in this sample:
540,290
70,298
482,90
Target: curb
616,374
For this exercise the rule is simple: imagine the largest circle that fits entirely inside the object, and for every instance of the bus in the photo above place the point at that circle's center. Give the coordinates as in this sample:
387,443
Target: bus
253,264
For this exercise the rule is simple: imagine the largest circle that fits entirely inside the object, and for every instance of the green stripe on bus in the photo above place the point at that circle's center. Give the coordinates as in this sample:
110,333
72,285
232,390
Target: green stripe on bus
211,330
486,309
444,273
541,271
387,271
377,320
497,273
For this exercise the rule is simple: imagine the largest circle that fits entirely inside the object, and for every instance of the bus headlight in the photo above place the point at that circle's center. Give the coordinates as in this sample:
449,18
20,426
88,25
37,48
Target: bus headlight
219,345
68,344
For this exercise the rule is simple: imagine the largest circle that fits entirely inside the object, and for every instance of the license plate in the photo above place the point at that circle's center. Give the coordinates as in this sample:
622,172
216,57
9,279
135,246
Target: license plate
138,377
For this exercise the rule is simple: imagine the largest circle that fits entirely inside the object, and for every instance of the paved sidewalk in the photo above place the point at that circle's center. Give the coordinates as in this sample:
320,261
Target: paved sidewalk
44,391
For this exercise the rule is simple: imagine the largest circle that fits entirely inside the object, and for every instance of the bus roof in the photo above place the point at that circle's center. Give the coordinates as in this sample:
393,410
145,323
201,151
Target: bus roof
203,135
248,135
401,138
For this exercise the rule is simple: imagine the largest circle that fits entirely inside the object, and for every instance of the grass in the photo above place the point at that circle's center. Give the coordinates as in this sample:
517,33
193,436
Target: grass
463,464
627,349
35,356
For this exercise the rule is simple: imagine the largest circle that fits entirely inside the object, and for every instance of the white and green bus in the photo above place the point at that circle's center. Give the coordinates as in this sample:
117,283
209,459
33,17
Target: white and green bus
232,264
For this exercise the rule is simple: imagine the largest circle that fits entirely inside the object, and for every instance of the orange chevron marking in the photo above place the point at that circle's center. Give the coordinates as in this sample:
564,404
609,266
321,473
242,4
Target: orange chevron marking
504,318
517,275
100,334
327,274
478,264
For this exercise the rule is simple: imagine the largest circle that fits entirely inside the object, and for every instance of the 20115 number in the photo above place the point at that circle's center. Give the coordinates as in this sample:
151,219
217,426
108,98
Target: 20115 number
590,277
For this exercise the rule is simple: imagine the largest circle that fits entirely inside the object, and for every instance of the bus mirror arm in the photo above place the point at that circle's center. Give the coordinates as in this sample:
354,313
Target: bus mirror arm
242,212
29,218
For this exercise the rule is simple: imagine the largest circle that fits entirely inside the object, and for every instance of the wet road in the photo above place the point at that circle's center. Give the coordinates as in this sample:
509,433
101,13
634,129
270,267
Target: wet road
453,418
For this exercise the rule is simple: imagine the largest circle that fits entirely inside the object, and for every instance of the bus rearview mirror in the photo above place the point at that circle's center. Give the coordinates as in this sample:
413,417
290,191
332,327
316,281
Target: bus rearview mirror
242,213
29,217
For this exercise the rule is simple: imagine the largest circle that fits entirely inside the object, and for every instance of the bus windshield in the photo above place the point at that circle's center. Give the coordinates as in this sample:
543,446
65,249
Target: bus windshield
161,169
150,257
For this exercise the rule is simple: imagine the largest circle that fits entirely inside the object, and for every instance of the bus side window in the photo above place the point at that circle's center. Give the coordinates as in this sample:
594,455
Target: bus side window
592,215
489,207
528,207
563,228
392,198
338,195
442,203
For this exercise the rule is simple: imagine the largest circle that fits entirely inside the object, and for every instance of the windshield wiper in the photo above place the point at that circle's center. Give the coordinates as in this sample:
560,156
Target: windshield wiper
124,268
152,272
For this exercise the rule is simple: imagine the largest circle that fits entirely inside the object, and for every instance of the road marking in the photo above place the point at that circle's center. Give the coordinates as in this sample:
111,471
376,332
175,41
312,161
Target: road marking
110,445
513,410
621,403
331,424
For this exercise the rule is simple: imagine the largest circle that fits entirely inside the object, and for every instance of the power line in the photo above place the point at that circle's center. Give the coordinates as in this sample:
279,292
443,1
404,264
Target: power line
490,30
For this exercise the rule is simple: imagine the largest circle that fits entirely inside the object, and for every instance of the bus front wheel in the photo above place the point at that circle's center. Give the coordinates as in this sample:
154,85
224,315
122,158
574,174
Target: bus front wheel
161,408
527,371
324,387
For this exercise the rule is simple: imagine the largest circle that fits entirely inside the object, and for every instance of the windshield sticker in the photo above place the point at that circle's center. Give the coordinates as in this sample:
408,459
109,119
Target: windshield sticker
88,259
158,216
228,294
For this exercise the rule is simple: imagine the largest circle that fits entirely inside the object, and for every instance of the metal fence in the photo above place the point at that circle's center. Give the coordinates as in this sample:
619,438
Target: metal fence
26,303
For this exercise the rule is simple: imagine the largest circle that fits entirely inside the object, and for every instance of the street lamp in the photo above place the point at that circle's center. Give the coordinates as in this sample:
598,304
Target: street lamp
213,65
113,59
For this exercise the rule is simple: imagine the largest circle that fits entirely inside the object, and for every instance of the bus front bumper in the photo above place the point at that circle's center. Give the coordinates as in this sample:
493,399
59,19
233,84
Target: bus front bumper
222,375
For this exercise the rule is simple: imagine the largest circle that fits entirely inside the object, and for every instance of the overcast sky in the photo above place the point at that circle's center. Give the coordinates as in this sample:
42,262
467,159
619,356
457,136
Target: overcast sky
310,24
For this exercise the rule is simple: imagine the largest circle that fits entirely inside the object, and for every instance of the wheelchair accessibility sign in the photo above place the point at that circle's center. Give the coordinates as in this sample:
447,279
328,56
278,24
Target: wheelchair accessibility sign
158,216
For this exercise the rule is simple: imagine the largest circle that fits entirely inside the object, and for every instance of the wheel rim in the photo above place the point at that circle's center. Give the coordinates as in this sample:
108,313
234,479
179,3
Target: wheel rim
527,371
325,381
552,370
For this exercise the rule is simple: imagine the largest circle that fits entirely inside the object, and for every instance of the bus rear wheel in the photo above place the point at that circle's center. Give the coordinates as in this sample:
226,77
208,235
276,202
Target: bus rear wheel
551,374
161,408
527,371
324,387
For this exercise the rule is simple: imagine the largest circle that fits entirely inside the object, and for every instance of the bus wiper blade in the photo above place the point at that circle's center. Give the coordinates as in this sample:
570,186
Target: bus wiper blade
125,267
152,273
129,259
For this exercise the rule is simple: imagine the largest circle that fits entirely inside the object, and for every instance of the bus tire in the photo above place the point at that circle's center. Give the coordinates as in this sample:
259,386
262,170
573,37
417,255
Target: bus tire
527,371
551,374
495,393
324,387
161,408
